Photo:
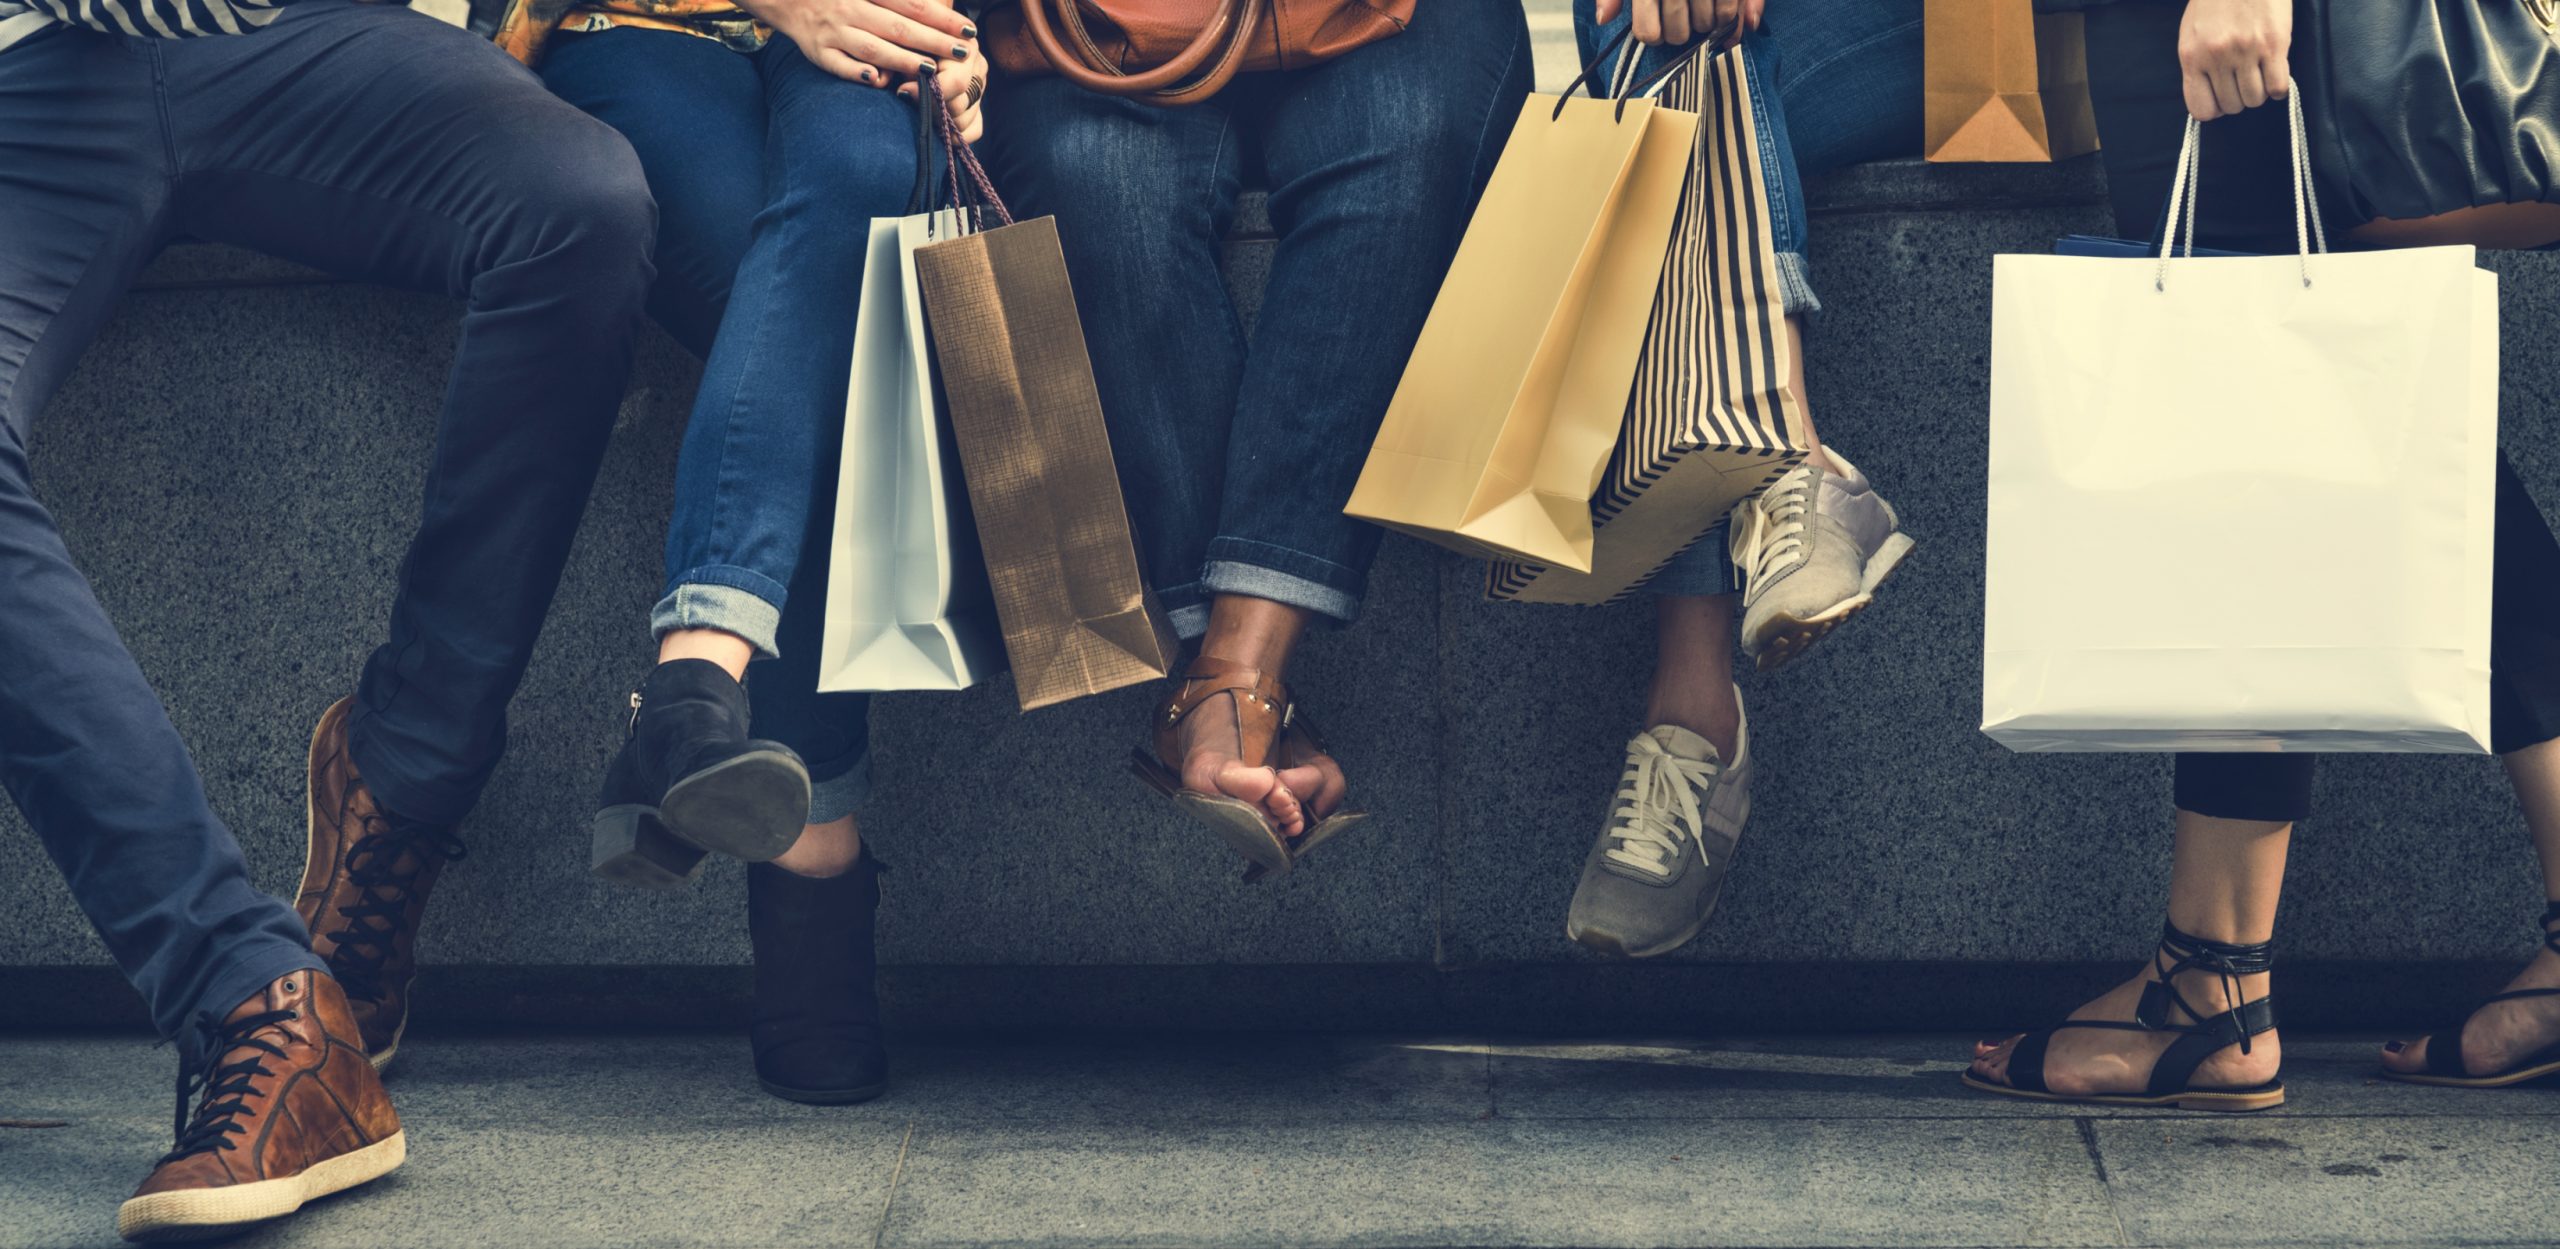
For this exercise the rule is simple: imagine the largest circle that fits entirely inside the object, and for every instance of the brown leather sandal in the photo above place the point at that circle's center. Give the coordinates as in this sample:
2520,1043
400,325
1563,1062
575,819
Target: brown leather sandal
1265,723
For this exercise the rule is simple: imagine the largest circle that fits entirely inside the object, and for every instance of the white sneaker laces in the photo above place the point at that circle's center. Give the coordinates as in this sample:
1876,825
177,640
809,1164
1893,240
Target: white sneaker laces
1772,539
1658,805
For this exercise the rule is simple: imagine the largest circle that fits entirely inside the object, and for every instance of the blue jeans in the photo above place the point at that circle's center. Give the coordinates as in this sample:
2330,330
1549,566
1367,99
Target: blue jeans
1847,89
377,144
1237,454
768,171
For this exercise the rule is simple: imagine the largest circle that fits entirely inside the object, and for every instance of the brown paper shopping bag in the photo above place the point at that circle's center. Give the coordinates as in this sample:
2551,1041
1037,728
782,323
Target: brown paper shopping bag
1512,399
2006,83
1713,416
1077,618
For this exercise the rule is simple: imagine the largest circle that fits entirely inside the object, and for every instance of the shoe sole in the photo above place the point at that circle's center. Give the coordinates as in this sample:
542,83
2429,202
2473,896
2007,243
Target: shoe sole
311,848
633,847
1327,829
1238,823
750,808
1613,945
2518,1076
2241,1101
1787,638
203,1213
824,1097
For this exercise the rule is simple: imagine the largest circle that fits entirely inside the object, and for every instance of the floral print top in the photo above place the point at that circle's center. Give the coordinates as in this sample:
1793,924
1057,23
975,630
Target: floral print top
529,25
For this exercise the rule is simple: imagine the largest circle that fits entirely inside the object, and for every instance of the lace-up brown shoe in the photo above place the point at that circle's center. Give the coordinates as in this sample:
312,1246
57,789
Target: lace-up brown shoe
288,1111
365,881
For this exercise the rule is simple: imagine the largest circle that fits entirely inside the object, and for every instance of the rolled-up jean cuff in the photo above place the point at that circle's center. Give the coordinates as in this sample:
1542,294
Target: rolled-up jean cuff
747,612
1795,285
1227,576
1705,568
839,789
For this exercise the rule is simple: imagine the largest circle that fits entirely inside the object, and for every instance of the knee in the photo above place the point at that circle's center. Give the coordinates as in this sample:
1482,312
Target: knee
585,207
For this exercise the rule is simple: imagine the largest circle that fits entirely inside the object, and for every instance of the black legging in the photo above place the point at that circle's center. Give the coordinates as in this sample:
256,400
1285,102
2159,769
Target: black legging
2247,205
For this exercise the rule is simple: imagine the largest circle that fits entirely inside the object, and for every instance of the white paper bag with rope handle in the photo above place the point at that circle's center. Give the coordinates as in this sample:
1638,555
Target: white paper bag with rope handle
2241,503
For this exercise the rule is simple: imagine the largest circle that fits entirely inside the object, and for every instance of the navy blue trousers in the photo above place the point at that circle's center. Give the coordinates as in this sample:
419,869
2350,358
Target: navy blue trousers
374,143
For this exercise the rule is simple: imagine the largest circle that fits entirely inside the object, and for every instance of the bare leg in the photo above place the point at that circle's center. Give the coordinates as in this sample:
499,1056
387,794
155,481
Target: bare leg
2506,1033
2224,887
1693,668
1262,634
829,849
728,650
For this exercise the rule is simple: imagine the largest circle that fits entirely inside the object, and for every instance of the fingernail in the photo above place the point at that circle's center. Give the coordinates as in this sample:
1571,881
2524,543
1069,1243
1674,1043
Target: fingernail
866,73
968,32
927,68
2395,1047
959,53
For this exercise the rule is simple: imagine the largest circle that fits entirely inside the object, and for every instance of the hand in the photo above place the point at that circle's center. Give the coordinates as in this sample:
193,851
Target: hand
2233,54
875,42
964,91
1678,21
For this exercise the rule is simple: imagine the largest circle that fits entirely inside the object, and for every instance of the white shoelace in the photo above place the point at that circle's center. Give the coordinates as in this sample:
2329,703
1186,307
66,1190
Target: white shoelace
1773,540
1658,802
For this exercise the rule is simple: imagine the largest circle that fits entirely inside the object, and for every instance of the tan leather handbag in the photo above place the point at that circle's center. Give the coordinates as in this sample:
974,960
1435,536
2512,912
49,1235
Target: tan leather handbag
1175,52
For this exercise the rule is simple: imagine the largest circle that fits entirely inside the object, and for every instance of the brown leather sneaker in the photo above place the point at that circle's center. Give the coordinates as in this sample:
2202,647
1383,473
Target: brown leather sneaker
290,1112
365,880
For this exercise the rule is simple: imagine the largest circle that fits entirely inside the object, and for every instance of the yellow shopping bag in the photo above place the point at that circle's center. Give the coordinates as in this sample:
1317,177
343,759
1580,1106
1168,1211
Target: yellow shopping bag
1516,389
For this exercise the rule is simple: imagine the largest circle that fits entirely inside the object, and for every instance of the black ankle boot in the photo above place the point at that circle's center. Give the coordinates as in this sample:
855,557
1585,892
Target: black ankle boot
689,780
816,1029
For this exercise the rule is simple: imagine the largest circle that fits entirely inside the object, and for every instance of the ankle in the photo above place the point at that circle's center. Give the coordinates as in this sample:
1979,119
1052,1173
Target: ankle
1708,708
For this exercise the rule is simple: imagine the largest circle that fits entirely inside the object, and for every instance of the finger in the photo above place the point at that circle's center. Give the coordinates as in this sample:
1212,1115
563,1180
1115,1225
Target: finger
962,86
849,68
1604,12
2277,75
2199,96
1751,12
886,32
1675,22
946,22
2252,88
2226,91
893,59
1727,20
1648,20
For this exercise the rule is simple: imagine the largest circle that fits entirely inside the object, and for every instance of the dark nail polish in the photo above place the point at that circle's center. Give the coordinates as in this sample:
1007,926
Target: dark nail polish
968,32
2395,1047
927,68
866,74
959,53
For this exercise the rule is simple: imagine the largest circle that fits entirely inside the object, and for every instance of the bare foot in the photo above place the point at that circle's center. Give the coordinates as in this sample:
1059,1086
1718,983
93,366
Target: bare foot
1312,775
1211,765
2501,1035
2089,1062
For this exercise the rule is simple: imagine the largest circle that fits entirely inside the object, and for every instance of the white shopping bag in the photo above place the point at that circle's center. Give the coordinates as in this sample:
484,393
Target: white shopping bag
907,600
2241,504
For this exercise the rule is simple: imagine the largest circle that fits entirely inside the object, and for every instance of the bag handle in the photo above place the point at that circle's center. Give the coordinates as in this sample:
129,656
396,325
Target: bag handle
1624,85
973,193
1220,46
2309,234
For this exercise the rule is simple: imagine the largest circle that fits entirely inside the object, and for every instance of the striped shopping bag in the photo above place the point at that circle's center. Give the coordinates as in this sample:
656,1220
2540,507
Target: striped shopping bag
1713,417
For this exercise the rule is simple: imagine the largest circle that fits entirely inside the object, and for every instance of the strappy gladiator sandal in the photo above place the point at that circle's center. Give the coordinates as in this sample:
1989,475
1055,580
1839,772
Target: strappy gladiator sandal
1260,713
2445,1067
2198,1039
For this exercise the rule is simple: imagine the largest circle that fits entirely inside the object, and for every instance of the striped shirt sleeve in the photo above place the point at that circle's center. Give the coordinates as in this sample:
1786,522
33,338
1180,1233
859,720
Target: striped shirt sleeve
160,19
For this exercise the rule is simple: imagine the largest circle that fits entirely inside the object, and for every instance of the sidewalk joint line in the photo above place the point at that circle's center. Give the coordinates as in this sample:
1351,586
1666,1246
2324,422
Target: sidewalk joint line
2088,1129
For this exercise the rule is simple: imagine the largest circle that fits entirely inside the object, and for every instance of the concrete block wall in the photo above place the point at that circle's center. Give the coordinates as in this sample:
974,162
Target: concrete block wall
237,466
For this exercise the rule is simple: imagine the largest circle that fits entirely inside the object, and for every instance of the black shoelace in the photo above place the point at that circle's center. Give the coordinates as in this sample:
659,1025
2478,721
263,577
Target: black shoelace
375,867
2223,959
225,1086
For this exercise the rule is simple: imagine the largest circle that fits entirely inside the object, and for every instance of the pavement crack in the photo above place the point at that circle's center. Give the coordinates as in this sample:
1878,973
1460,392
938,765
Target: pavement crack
2088,1128
880,1231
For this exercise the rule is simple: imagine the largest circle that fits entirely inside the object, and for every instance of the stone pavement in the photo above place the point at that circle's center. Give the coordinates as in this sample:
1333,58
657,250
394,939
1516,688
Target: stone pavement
1320,1140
